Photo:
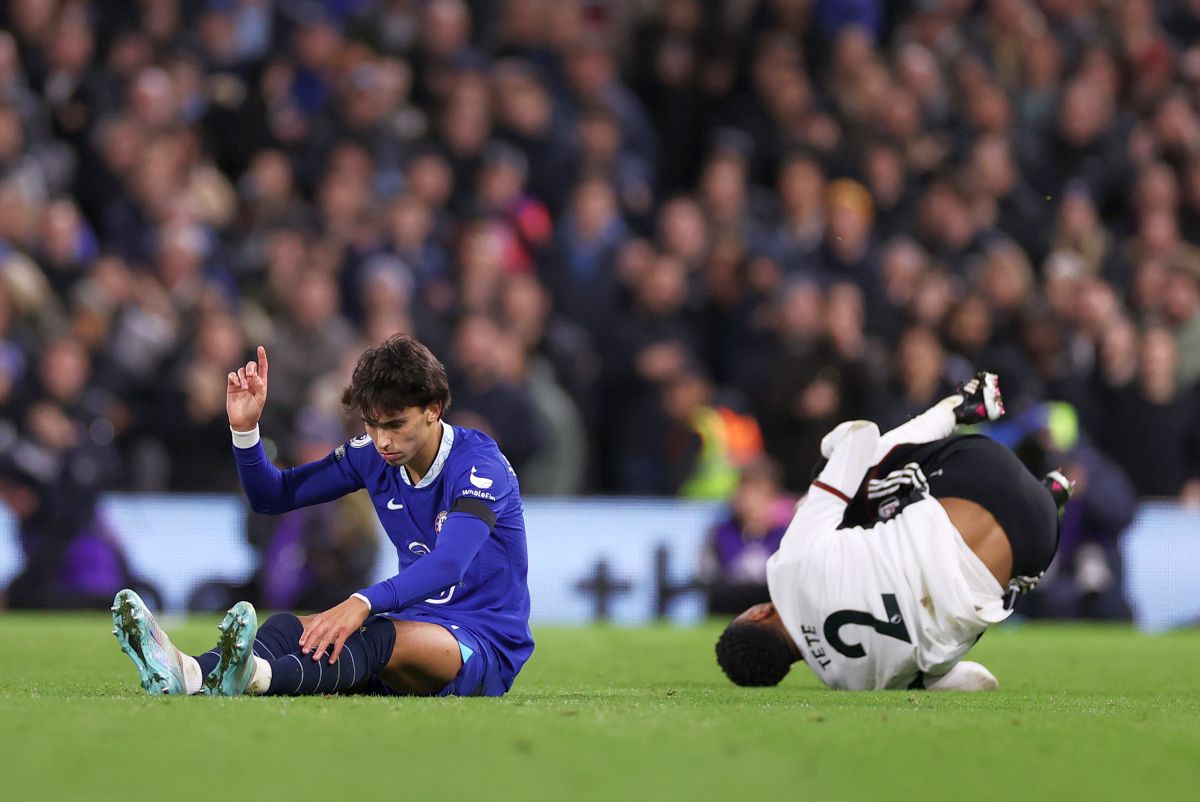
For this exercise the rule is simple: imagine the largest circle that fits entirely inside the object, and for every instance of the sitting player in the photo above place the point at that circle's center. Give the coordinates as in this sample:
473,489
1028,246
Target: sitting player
453,621
899,557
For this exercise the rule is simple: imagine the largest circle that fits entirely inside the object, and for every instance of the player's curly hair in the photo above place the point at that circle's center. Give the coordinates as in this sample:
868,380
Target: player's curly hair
394,375
753,655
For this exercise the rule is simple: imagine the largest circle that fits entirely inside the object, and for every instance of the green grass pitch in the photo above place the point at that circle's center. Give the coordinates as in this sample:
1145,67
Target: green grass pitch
605,713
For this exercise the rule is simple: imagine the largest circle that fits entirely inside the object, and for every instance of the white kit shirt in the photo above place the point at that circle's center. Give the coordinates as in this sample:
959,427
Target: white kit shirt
873,608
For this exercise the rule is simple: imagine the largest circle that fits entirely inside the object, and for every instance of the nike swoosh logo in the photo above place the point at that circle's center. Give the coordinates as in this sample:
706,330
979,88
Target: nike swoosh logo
392,505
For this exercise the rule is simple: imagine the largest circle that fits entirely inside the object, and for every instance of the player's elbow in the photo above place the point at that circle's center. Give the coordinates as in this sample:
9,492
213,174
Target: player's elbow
267,506
450,568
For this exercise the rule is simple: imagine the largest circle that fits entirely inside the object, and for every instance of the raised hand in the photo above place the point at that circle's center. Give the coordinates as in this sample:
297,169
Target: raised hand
246,393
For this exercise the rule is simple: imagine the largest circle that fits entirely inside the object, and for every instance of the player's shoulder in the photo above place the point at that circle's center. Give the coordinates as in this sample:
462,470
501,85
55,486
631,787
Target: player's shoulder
475,453
358,451
472,445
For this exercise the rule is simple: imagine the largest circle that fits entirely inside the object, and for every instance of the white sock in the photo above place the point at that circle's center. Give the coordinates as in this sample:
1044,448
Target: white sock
855,443
932,424
193,678
260,680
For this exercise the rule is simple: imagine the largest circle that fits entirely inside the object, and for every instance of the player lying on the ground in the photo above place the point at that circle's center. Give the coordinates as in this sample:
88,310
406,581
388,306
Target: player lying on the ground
900,555
453,621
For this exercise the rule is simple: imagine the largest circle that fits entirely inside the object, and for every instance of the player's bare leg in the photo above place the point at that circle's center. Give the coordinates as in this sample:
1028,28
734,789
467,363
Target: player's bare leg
426,659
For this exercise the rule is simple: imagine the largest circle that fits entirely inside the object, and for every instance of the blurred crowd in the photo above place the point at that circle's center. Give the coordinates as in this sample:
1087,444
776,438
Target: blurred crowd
653,242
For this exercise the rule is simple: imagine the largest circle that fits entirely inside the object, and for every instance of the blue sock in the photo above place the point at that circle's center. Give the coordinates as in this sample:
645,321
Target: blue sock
364,654
278,637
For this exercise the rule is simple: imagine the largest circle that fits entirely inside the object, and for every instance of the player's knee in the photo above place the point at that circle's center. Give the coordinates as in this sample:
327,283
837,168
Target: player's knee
286,622
425,658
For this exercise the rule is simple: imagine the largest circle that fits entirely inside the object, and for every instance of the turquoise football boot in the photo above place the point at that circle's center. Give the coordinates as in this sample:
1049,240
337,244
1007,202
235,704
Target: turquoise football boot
232,675
159,667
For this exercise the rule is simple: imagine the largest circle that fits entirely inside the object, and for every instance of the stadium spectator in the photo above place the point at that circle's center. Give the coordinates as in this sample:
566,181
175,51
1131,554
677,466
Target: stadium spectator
707,440
592,79
501,192
1078,229
559,466
1181,308
921,374
735,556
800,230
599,136
803,385
649,346
628,195
582,276
530,117
55,459
848,252
309,339
563,344
186,413
14,349
1084,579
492,395
1153,423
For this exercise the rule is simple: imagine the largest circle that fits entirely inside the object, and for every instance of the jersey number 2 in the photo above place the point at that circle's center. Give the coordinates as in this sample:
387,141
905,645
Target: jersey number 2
893,627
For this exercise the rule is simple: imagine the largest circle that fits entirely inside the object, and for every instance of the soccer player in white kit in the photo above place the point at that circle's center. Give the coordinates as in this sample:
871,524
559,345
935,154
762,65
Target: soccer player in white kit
905,549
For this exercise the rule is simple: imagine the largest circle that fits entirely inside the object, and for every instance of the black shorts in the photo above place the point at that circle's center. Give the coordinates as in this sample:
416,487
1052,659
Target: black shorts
978,469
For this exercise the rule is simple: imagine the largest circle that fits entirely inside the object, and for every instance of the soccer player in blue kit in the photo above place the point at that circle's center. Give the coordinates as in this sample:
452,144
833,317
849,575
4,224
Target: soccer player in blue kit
453,621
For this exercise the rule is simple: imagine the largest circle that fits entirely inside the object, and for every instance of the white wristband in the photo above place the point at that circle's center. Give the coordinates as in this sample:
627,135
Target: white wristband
365,600
245,439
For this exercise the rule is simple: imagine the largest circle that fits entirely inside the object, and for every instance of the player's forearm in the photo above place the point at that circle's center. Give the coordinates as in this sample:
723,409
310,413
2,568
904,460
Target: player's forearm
272,491
262,481
461,538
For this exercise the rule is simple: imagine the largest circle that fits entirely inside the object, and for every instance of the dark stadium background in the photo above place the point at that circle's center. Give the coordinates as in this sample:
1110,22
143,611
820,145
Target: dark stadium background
654,243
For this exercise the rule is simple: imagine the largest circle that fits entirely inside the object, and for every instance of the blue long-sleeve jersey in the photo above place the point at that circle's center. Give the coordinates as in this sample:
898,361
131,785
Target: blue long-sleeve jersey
459,532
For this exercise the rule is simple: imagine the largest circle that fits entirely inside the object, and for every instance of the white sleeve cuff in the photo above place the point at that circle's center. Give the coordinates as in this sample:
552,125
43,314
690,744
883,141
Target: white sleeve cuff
366,601
245,439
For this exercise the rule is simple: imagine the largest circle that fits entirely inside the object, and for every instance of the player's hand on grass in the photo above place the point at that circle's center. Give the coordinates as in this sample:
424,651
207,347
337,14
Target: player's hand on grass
332,627
246,393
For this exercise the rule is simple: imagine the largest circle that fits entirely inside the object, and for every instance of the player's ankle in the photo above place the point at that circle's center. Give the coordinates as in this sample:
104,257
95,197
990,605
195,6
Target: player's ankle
260,680
193,675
